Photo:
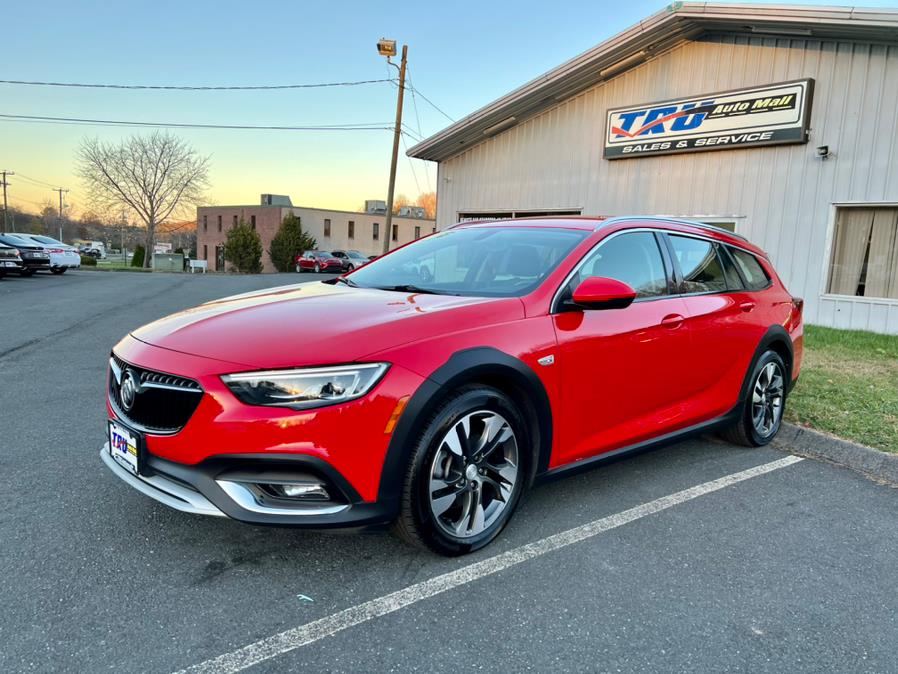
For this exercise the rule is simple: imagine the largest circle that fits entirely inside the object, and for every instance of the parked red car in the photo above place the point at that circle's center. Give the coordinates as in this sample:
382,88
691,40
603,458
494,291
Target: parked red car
466,366
318,261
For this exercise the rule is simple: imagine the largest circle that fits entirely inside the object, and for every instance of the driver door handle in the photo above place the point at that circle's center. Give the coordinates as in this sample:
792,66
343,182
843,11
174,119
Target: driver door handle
672,321
747,306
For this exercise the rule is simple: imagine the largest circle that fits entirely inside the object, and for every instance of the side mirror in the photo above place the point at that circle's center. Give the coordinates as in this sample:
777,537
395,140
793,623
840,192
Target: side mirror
597,292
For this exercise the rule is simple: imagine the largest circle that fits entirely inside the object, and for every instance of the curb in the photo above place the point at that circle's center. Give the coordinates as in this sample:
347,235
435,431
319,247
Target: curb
877,465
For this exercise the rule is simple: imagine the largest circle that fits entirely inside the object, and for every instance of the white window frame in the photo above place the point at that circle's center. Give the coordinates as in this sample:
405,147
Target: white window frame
830,242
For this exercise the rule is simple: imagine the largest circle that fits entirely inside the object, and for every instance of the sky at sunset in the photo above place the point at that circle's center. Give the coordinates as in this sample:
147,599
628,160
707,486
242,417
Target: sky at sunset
462,55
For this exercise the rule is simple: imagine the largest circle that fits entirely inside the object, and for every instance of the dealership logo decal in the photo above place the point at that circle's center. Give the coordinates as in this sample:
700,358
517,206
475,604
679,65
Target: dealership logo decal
773,114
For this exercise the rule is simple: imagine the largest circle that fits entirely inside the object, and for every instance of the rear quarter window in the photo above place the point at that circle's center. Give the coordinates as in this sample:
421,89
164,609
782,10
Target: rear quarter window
752,271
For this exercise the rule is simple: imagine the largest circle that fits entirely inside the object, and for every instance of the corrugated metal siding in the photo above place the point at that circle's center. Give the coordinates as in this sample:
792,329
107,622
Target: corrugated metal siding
785,193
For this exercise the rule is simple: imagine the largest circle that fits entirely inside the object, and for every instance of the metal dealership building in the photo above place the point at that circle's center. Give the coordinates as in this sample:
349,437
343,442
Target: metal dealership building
780,122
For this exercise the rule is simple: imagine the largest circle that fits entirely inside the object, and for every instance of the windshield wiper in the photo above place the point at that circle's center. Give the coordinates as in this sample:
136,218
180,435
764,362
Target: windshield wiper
408,288
340,279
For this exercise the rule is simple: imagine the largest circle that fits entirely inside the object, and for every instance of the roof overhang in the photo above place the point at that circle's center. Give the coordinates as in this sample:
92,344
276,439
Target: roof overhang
658,33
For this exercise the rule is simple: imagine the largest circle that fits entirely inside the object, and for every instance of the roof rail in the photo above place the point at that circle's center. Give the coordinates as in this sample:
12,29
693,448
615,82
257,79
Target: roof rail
679,221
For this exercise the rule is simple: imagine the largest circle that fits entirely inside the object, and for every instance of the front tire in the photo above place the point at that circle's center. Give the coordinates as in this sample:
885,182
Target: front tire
317,268
765,403
27,272
466,474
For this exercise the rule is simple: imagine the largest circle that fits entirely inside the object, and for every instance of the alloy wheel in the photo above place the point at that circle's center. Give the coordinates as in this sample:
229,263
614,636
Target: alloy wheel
473,474
767,399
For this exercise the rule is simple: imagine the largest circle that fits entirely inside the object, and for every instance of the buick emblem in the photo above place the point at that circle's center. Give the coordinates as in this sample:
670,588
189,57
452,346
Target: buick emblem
128,390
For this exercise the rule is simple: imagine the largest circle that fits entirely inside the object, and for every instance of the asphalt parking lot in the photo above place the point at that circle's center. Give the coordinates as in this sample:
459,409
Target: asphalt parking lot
698,557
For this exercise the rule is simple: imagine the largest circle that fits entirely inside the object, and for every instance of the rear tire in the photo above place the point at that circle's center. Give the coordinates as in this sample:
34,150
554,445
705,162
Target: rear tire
27,272
317,268
765,403
466,473
58,270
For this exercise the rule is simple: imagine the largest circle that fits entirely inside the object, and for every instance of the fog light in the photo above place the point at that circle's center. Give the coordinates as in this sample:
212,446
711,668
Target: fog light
309,491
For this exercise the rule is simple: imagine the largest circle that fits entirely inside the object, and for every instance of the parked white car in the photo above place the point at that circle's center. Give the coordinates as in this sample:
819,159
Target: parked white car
62,255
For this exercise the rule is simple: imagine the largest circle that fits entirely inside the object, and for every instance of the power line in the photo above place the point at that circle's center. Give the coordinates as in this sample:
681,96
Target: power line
432,104
254,87
187,125
410,164
420,132
411,133
36,181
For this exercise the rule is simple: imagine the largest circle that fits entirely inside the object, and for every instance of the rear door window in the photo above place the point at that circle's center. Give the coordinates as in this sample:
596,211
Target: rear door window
699,264
752,271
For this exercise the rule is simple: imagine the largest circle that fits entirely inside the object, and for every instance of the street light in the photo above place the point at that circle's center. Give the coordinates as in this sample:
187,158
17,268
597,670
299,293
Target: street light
387,48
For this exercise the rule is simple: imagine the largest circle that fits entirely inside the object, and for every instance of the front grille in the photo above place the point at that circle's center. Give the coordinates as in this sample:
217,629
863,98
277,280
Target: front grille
163,403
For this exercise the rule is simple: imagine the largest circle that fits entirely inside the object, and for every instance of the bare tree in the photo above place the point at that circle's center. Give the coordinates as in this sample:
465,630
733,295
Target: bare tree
156,176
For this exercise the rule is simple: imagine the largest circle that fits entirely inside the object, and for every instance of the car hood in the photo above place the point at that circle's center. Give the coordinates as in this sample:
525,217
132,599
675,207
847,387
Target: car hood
318,324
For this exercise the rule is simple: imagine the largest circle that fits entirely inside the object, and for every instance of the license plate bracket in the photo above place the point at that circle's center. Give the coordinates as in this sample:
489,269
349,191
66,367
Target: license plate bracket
126,446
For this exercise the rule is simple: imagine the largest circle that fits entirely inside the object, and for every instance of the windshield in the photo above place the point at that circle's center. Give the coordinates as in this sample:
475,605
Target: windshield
480,262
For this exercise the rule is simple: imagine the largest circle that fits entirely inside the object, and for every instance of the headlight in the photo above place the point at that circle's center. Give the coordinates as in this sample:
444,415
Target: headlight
305,388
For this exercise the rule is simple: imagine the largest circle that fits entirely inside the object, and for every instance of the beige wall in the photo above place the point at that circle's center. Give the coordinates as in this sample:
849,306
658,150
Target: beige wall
268,220
780,197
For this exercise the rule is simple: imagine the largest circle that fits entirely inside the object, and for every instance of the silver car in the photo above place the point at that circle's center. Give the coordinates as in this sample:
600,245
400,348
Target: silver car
62,255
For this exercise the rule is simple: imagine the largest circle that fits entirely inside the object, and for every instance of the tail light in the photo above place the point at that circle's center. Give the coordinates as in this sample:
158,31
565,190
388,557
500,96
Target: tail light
55,250
795,317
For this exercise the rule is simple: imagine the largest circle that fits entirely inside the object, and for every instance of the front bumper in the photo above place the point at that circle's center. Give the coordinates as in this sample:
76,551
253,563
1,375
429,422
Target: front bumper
344,446
222,487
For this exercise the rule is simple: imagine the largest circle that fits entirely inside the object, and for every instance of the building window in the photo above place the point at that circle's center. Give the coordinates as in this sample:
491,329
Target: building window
375,231
205,223
252,220
350,229
235,221
205,252
395,236
417,231
327,227
864,260
219,223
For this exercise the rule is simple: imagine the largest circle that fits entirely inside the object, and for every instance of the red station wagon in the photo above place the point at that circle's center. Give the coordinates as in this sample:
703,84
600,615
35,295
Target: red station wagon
467,366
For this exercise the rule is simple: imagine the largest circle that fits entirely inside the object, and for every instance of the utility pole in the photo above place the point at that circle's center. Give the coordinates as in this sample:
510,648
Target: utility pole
397,130
5,208
59,214
124,252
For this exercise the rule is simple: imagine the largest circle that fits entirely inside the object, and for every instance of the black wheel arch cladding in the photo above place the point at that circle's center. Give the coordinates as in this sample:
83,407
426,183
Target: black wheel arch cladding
775,339
479,364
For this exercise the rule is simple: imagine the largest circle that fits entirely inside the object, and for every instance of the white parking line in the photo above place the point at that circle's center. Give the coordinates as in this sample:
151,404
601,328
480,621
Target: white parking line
288,640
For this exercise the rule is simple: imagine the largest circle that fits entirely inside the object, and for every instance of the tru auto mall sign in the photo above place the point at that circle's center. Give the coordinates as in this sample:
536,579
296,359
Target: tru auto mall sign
769,115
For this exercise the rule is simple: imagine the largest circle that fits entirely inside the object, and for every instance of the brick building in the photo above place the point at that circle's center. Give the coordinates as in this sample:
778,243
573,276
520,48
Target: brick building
333,230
